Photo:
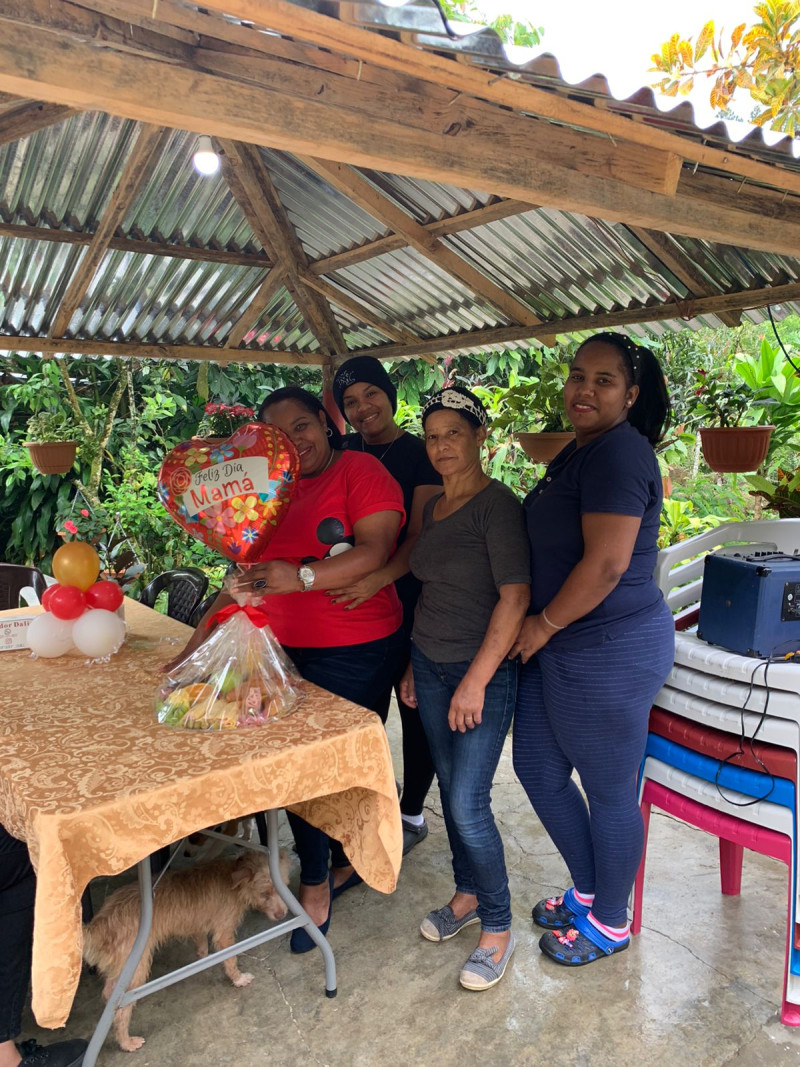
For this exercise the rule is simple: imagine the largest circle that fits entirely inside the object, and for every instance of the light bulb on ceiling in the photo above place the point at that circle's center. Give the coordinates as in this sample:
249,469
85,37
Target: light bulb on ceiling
206,160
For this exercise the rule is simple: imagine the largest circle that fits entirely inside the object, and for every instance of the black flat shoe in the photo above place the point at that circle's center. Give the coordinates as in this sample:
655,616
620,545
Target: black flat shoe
349,883
61,1054
301,940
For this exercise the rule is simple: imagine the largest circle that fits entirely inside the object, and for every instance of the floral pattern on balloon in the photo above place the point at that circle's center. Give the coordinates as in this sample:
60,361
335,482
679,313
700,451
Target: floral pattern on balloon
232,495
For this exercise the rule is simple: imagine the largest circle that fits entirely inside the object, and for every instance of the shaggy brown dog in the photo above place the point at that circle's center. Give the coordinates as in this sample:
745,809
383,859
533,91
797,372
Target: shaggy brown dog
207,900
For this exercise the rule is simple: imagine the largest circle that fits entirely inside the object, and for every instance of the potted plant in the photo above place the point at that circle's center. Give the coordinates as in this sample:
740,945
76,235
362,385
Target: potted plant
220,420
540,400
52,441
728,447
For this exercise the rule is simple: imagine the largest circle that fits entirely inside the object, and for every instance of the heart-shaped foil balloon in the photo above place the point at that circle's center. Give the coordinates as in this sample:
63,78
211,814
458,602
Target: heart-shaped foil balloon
233,493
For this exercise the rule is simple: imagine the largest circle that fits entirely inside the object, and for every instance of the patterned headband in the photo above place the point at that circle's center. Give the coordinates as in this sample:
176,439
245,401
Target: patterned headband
455,400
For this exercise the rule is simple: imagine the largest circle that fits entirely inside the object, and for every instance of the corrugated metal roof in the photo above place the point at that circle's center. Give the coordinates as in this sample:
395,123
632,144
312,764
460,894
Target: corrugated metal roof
561,264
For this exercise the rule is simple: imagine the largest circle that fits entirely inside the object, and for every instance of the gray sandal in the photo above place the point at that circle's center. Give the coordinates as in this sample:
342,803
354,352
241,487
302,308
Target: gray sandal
481,971
441,925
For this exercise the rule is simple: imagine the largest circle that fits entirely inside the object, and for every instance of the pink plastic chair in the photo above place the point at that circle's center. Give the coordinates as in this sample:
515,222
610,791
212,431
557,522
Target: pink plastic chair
734,836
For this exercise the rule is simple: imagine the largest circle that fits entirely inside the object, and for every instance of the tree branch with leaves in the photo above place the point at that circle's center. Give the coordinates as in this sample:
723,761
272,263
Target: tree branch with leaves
763,59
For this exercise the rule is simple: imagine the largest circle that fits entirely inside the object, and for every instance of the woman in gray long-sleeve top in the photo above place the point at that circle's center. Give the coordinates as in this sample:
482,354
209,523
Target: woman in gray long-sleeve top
473,560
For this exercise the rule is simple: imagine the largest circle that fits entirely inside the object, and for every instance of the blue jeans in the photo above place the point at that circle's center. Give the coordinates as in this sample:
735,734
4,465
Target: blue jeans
465,766
361,673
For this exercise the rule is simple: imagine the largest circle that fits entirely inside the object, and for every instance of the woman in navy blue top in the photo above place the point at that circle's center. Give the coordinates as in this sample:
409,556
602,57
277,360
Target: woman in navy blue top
597,644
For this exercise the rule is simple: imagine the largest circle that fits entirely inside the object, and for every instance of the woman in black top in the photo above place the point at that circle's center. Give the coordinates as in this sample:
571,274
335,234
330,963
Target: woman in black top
366,397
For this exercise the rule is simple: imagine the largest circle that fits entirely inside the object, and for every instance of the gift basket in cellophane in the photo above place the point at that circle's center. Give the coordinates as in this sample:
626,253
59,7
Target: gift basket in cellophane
232,496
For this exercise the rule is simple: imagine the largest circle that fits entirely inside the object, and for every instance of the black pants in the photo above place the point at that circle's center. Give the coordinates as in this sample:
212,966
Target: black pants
17,890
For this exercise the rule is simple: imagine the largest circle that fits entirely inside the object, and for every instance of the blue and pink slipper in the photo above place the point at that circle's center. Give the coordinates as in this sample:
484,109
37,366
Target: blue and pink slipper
580,943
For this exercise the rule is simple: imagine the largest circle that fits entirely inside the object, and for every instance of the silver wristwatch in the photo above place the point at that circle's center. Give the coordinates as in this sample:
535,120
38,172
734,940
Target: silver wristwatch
306,576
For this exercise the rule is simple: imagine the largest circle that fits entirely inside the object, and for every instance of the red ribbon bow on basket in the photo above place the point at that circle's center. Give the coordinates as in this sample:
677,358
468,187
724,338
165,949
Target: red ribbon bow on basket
256,615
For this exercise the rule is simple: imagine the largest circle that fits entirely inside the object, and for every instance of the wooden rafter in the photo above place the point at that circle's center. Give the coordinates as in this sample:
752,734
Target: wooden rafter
69,70
357,308
465,220
137,169
671,257
130,244
253,188
131,350
379,50
359,190
687,310
28,118
257,303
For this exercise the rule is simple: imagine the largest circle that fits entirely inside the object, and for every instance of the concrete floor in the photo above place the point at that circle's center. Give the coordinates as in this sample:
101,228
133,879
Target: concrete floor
700,986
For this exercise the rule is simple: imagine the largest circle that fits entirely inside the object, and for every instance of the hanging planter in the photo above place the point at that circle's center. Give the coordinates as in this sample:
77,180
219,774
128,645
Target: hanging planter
735,449
543,447
52,443
52,457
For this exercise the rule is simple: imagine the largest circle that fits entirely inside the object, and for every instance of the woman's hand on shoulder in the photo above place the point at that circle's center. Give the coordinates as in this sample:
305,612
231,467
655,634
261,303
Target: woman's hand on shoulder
358,592
466,706
533,635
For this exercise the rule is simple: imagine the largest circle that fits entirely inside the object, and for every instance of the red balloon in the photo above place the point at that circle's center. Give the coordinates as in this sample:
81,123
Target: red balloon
106,595
46,595
67,602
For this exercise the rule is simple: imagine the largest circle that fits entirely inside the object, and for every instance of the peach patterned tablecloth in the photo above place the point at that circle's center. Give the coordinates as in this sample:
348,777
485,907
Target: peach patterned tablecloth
94,784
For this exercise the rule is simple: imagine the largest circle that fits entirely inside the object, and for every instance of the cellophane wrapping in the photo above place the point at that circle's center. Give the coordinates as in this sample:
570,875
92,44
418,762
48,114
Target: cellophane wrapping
239,677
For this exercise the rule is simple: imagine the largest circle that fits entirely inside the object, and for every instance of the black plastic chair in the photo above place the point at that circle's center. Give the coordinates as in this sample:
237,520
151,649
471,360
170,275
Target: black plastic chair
185,589
203,607
13,579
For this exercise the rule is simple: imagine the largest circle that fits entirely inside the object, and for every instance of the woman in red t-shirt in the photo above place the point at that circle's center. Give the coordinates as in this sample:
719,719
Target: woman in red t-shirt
342,525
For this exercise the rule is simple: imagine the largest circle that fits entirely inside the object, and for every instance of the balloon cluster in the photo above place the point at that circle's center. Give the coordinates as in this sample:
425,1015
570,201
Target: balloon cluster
79,611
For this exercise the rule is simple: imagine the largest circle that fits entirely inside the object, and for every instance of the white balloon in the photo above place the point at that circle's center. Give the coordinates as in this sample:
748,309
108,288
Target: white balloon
49,637
98,633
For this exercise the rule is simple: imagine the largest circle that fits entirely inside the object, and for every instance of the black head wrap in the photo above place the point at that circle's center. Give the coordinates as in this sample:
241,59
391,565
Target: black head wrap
362,369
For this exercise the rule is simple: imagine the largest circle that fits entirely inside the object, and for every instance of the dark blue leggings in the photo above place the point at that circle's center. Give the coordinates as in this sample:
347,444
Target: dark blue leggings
587,710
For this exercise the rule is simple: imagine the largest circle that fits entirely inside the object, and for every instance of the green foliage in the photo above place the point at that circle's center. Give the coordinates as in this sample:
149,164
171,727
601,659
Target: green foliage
775,388
763,58
718,401
221,420
510,30
47,426
679,521
782,494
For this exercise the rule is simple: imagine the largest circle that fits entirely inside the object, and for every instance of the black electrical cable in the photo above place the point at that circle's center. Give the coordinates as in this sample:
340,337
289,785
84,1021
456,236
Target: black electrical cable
743,737
780,342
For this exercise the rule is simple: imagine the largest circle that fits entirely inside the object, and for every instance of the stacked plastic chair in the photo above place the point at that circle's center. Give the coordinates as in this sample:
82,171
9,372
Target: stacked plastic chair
723,747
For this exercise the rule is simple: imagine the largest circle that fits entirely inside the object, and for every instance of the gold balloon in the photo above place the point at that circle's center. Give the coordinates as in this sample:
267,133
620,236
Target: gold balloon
76,563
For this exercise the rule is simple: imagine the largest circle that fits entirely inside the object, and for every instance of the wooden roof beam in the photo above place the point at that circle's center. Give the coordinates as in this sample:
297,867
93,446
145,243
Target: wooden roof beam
670,256
358,189
381,50
252,186
685,309
130,244
359,310
138,167
465,220
72,71
132,350
255,306
29,118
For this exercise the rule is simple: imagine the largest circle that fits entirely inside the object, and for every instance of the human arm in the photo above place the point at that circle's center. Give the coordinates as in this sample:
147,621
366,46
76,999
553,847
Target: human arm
201,632
466,705
357,592
609,541
374,537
